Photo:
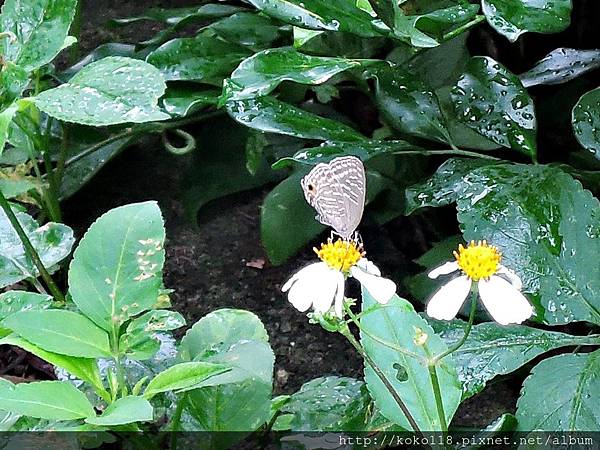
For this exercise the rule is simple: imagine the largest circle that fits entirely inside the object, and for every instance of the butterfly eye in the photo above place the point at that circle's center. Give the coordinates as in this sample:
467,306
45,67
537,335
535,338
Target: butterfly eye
311,188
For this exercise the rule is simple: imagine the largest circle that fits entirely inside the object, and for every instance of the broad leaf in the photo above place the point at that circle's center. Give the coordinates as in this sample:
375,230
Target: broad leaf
53,243
546,226
58,331
174,16
586,121
15,301
140,340
329,404
261,73
397,324
41,27
110,91
493,102
13,81
512,18
125,410
182,377
407,104
273,116
561,65
562,394
183,101
6,118
321,15
86,369
204,58
492,349
116,269
52,400
251,30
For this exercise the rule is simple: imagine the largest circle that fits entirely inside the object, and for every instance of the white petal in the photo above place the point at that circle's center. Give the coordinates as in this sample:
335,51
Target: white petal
446,302
380,288
444,269
325,290
504,302
512,277
303,285
339,298
368,266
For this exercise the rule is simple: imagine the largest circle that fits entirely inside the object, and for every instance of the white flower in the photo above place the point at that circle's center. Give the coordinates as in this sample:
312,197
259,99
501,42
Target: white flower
499,288
321,284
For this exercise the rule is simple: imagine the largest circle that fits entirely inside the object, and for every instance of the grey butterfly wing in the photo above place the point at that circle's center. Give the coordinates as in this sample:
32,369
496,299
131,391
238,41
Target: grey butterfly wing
337,192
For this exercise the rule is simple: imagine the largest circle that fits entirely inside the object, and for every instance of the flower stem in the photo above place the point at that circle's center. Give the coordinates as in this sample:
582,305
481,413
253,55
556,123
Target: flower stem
474,294
30,250
452,34
345,331
435,384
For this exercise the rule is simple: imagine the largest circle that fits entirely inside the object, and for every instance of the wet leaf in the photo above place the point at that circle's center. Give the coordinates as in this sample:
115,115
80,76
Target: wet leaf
116,269
110,91
342,16
139,341
204,58
407,104
124,410
183,101
174,16
100,52
53,243
41,27
13,81
562,394
261,73
273,116
512,18
329,404
492,349
182,377
560,66
6,118
493,102
586,121
251,30
381,324
547,227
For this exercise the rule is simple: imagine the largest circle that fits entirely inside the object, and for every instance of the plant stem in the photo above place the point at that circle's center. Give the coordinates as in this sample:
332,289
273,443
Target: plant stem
177,420
452,34
474,295
435,384
345,331
30,250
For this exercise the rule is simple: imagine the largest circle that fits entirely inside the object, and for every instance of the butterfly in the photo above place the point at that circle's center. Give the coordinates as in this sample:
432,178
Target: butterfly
336,190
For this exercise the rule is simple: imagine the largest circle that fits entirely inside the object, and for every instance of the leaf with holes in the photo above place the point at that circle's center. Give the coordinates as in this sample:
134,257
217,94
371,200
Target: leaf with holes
388,336
116,269
110,91
562,394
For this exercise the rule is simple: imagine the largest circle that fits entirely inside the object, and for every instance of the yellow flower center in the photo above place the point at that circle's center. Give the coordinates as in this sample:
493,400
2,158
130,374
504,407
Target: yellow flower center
340,255
478,259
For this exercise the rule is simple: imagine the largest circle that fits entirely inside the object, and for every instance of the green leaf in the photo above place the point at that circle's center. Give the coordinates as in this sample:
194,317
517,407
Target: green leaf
407,104
219,168
174,16
41,27
15,301
342,16
546,226
182,377
562,394
6,118
52,400
110,91
116,269
397,324
183,101
139,340
445,186
329,404
493,102
13,81
560,66
86,369
281,237
273,116
64,332
330,150
224,327
125,410
204,58
52,241
261,73
491,349
251,30
586,121
100,52
512,18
